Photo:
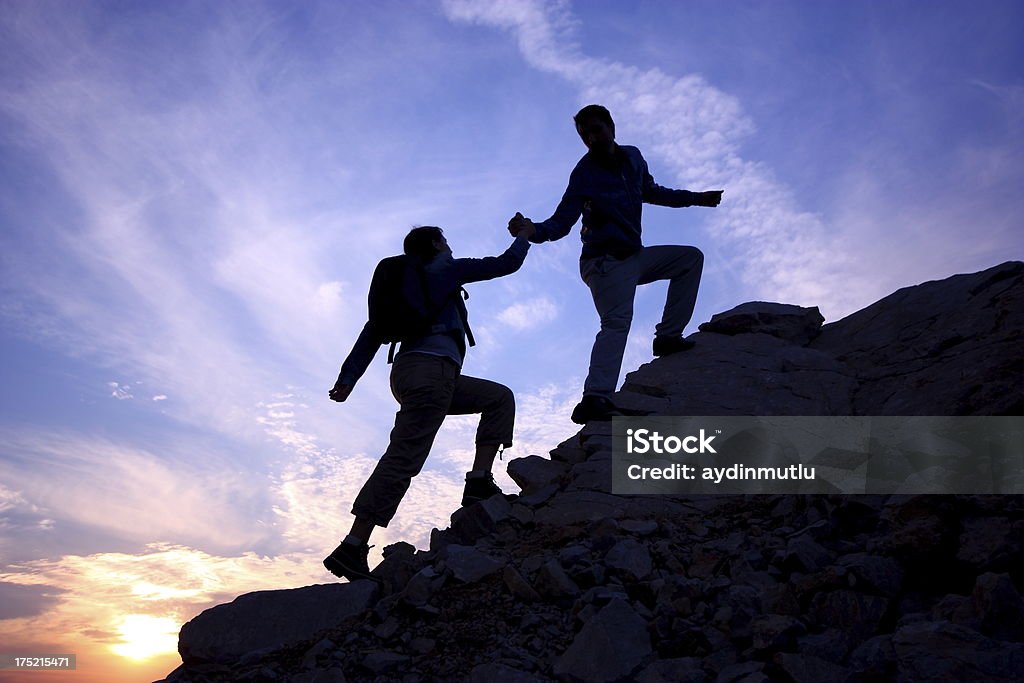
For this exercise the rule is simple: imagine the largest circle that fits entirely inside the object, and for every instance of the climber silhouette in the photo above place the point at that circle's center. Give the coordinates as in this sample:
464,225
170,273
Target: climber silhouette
427,381
608,188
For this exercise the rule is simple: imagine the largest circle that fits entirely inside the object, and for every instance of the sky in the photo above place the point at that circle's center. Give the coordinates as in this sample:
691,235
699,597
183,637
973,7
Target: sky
193,196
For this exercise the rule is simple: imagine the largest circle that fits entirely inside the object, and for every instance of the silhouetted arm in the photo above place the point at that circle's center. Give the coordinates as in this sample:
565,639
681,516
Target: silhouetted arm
568,211
490,267
355,364
653,193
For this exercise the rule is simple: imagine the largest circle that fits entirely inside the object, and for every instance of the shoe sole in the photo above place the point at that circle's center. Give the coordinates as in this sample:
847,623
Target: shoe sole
342,571
603,417
674,351
469,501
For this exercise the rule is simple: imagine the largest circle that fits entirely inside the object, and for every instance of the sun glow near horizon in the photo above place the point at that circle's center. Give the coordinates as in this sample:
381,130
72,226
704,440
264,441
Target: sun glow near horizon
144,636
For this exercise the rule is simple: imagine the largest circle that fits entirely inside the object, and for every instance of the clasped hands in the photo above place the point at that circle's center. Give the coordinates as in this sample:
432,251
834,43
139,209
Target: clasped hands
521,226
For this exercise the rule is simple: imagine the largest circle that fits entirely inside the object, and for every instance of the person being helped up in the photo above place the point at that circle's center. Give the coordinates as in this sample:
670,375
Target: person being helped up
608,188
426,380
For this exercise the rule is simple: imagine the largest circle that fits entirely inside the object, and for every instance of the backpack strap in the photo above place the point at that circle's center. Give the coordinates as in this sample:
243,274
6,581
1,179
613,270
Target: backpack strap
464,315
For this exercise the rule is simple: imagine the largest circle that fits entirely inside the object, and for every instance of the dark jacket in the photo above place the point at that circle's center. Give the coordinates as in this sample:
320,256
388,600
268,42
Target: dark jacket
610,196
445,275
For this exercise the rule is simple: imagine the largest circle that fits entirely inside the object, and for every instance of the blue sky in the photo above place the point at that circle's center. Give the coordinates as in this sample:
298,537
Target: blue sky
193,196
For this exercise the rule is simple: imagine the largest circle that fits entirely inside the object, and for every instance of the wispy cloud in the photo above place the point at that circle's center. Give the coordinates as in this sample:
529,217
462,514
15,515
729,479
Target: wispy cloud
19,602
187,250
314,490
122,392
126,492
14,500
528,314
761,235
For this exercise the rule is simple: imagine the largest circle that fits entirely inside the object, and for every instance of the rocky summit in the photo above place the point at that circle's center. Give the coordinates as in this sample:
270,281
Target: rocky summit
569,582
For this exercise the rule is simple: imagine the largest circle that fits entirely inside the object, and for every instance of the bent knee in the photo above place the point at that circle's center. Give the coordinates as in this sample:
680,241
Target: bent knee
694,260
503,398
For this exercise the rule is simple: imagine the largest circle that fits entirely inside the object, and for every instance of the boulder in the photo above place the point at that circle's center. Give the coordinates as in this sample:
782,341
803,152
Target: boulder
950,347
784,321
533,472
940,651
467,564
609,647
270,619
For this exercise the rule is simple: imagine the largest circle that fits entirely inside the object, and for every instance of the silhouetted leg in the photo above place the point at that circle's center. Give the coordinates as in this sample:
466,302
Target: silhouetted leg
612,285
497,406
424,386
683,267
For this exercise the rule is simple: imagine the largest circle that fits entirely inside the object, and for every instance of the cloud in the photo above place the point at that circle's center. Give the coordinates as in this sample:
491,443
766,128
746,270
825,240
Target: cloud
18,602
542,417
314,491
183,255
526,315
11,500
88,599
760,234
111,488
122,392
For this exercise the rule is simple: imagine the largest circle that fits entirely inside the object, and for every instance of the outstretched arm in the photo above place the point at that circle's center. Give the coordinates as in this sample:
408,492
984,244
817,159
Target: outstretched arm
653,193
490,267
356,363
568,211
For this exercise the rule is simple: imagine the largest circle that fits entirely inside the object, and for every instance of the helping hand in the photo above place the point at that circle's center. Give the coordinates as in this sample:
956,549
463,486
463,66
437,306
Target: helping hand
519,225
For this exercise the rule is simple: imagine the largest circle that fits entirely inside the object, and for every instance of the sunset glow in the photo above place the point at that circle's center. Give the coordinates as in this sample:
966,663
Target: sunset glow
144,636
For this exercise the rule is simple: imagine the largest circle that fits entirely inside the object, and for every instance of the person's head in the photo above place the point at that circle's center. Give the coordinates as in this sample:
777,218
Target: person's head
425,242
596,128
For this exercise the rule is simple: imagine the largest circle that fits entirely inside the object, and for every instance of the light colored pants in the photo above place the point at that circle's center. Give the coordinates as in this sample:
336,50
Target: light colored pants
613,284
428,388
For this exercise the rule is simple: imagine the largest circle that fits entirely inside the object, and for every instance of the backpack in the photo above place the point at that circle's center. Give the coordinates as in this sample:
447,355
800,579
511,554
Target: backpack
399,303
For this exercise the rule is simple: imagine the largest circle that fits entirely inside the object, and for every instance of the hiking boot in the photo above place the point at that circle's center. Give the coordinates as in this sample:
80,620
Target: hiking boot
594,407
600,408
349,561
481,488
664,346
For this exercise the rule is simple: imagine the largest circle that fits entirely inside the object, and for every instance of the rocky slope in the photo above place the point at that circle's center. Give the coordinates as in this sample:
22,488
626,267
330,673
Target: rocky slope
572,583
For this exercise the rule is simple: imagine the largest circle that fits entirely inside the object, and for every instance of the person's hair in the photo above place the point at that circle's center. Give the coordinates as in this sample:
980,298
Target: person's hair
420,242
593,111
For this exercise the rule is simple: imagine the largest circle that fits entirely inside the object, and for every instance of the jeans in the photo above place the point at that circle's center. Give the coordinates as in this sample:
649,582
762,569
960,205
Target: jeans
428,388
613,284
